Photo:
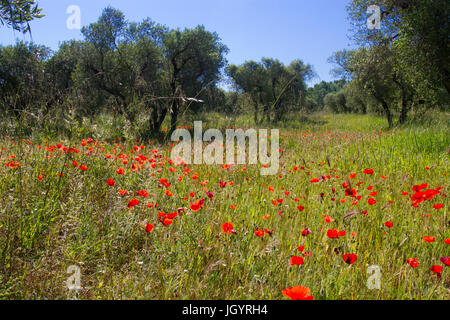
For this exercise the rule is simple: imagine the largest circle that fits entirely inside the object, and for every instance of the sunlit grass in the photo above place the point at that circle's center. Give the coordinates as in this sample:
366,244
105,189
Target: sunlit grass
76,218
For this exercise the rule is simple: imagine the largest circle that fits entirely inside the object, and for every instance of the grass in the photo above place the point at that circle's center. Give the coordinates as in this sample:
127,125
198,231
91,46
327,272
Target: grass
76,218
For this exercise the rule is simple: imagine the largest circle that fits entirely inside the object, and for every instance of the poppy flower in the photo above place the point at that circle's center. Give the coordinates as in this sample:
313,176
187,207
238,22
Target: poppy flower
83,167
447,241
295,261
306,232
142,193
436,270
259,233
368,171
111,182
438,206
228,228
349,258
132,203
327,219
148,227
413,262
120,171
371,201
446,261
197,205
297,293
429,239
332,234
350,193
389,224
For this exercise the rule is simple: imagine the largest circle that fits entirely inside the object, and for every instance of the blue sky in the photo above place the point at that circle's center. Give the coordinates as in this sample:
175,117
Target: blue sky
310,30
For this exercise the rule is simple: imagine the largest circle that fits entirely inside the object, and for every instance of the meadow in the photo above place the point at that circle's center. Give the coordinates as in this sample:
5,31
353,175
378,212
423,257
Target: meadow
350,194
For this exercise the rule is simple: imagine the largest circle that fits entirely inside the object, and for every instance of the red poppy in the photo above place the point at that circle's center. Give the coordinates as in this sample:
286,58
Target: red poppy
438,206
437,270
306,232
371,201
133,203
142,193
332,234
429,239
197,205
228,228
124,193
259,233
350,193
368,171
447,241
295,261
349,258
298,293
413,262
446,261
327,219
148,227
111,182
389,224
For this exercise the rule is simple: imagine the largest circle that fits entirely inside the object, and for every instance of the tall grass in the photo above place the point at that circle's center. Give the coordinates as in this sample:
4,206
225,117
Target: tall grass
75,218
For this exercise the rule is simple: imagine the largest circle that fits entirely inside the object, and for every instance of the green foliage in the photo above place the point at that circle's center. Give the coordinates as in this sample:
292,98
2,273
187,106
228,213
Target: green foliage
316,94
22,78
144,71
271,87
403,66
18,13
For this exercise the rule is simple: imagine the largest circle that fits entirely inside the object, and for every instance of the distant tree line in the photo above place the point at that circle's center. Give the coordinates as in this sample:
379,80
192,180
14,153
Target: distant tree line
144,71
148,73
125,67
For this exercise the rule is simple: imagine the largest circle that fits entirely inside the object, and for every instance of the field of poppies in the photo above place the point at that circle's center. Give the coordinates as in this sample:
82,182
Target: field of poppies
356,211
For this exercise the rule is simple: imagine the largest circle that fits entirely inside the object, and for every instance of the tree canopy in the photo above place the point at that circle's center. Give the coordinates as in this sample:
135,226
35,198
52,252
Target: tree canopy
18,13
